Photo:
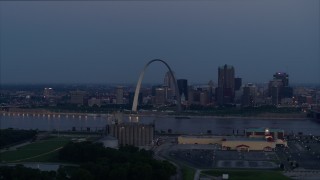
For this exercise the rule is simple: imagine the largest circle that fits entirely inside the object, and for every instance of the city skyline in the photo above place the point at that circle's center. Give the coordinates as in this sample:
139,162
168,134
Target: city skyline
109,42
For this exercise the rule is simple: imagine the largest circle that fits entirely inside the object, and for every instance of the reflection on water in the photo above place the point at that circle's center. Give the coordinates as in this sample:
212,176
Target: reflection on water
194,125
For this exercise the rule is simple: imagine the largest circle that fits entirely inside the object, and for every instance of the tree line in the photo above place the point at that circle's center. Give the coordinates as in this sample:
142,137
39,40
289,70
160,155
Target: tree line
97,162
11,136
128,162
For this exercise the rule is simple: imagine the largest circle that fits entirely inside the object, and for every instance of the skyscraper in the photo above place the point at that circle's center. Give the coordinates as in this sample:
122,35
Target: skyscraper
249,95
210,91
226,84
284,77
183,88
279,87
237,83
160,97
169,83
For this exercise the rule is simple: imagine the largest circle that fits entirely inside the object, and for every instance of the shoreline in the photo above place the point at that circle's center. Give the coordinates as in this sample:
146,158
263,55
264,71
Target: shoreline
264,116
227,117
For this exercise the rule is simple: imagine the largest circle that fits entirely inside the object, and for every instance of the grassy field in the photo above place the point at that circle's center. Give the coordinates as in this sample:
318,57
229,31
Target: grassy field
44,150
187,173
248,174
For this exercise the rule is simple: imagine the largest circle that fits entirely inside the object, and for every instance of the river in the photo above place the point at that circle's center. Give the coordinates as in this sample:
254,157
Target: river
194,125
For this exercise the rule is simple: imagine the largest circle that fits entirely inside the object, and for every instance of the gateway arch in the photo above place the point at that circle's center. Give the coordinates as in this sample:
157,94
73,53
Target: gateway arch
136,94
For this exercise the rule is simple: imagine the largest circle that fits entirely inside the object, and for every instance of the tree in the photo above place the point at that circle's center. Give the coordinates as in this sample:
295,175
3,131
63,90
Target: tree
126,163
82,174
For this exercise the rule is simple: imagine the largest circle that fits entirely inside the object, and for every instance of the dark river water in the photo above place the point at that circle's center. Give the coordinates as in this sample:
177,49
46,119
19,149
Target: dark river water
194,125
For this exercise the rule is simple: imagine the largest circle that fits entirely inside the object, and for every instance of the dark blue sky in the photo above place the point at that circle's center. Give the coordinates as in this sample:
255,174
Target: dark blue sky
109,42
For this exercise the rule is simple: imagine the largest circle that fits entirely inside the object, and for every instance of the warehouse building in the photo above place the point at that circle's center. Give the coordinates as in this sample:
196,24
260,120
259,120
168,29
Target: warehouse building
255,139
247,144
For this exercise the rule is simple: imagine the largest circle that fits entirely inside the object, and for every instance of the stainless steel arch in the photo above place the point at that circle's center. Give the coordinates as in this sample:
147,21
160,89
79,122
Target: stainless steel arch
136,94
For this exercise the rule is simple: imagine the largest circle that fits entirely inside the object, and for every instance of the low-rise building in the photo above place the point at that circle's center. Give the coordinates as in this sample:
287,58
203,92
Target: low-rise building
255,139
247,144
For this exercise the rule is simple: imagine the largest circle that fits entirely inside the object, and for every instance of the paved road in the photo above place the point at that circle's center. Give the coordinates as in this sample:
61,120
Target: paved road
303,174
159,153
38,155
12,148
41,165
197,174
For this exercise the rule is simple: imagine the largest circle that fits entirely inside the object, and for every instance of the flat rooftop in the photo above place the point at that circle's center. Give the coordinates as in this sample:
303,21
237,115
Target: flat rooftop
244,139
227,138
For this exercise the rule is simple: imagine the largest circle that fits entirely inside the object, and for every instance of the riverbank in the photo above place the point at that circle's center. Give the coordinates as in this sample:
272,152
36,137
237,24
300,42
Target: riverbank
267,115
253,116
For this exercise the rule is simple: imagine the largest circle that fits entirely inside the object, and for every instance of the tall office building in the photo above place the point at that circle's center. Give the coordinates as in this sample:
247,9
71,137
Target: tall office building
249,95
153,89
190,95
284,77
169,83
237,83
204,98
279,87
226,84
160,97
183,88
119,93
210,91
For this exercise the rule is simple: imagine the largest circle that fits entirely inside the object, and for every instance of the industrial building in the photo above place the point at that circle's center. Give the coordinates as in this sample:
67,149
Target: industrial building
135,134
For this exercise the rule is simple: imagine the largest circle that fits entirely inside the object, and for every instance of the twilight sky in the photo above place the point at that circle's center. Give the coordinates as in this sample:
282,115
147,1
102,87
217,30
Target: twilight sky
109,41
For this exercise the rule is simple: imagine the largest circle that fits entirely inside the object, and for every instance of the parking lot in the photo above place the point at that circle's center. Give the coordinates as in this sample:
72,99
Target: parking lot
246,164
214,157
302,152
200,158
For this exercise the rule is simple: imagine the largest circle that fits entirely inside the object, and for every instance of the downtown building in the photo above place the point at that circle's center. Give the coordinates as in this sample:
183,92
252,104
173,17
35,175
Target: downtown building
279,88
225,91
160,96
183,89
169,86
200,95
249,95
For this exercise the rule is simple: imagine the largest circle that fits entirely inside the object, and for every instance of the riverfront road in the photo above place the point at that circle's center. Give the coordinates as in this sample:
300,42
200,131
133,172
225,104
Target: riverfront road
159,154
